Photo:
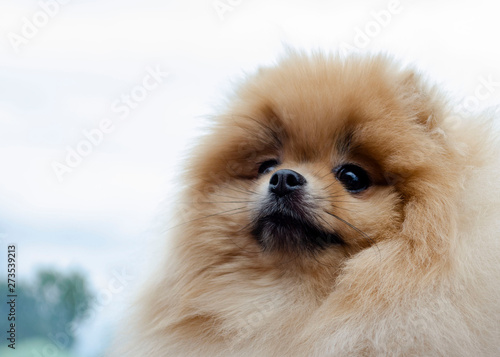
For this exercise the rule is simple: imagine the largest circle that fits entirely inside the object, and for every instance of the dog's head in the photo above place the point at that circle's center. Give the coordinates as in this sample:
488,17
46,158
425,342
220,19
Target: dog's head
317,159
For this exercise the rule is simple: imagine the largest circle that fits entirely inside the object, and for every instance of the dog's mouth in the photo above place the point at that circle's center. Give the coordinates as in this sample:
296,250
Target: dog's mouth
287,220
279,231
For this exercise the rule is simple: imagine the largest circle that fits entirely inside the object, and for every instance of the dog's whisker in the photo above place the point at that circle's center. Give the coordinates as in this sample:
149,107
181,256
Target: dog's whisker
316,173
232,188
208,216
350,225
354,228
239,189
332,199
232,197
212,202
328,186
342,208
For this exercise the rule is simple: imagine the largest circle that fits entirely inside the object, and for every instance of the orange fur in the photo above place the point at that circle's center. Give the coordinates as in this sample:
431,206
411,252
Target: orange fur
417,276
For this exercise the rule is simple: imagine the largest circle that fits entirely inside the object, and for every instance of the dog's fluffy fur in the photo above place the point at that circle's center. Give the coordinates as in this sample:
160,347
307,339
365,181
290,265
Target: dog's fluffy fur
410,265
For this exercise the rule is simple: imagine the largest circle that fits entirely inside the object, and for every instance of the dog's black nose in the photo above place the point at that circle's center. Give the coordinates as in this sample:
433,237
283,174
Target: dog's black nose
285,181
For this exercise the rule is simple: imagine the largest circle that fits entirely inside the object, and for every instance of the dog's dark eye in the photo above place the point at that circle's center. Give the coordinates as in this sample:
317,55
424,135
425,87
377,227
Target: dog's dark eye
353,177
267,166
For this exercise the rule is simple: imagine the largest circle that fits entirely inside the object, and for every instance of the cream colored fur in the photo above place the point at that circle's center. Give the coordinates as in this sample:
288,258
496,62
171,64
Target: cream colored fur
427,283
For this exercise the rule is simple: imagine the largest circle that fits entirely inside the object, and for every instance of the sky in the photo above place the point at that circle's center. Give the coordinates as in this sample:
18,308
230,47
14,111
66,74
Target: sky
139,81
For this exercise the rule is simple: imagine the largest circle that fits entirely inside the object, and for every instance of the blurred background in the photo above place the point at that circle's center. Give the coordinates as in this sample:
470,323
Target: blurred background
100,101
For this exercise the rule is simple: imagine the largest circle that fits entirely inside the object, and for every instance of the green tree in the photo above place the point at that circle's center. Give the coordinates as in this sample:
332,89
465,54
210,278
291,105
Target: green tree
52,305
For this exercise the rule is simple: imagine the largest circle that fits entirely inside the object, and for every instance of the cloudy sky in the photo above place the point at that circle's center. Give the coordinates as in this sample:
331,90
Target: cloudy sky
138,79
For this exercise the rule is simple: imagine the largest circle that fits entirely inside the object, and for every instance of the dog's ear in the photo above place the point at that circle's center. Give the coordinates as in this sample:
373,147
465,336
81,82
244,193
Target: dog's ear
431,185
421,99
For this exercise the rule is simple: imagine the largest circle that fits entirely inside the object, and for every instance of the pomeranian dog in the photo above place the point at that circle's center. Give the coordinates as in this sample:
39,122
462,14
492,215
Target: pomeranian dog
337,207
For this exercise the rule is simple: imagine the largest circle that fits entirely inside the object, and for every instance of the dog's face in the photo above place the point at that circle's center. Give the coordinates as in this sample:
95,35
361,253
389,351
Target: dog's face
315,160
